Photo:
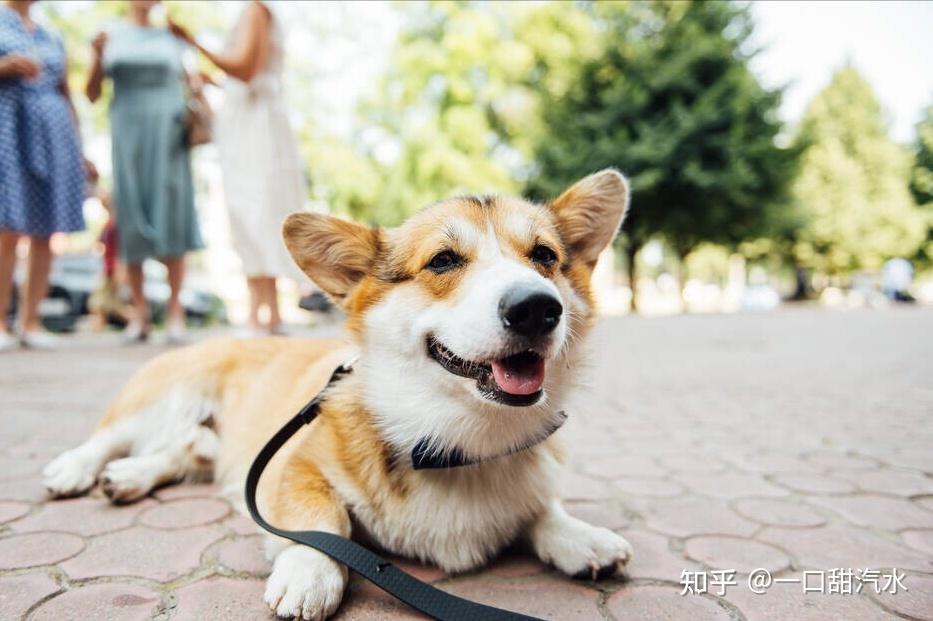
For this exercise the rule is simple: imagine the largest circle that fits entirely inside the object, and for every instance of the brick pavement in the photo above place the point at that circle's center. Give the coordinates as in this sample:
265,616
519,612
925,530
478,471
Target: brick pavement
800,440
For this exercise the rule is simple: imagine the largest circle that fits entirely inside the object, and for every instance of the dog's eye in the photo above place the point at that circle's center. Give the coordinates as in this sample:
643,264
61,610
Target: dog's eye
443,261
543,255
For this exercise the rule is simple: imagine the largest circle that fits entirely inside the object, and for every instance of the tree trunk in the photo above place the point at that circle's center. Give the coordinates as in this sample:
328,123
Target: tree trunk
682,277
631,249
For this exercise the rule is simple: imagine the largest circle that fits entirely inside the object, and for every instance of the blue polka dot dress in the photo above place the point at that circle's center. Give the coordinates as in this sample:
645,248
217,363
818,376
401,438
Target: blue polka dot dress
41,168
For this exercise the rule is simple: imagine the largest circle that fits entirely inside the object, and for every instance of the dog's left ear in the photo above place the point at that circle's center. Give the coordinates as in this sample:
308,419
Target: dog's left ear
590,212
334,253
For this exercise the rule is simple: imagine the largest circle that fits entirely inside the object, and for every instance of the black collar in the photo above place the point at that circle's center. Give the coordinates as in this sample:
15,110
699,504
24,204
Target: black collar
425,457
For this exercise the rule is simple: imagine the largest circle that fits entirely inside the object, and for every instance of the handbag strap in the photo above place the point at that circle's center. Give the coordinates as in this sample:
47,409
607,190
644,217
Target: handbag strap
405,587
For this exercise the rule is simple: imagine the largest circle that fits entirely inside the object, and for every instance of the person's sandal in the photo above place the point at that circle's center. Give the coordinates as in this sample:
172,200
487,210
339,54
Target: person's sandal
135,332
8,342
39,339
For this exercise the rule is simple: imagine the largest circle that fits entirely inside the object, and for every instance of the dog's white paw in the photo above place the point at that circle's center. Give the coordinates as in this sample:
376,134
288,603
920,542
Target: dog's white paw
581,550
127,479
305,584
69,474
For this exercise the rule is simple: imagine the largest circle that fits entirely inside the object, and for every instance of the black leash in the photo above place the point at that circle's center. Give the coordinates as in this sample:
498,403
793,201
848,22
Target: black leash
419,595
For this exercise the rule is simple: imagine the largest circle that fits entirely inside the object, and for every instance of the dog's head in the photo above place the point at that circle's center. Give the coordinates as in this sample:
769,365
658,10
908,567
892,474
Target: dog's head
471,308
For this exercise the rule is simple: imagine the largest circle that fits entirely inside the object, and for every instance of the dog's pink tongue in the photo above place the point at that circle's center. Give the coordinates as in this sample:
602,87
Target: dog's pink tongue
522,378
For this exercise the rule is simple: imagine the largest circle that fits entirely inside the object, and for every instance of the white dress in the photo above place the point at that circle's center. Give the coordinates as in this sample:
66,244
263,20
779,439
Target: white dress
264,179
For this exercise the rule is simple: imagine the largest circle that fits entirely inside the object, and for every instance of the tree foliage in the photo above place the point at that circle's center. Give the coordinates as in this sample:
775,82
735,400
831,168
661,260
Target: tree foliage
672,102
853,186
921,180
460,104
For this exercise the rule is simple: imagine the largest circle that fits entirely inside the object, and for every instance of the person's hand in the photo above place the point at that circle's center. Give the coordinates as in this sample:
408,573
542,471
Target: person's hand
98,43
206,79
179,31
90,171
19,66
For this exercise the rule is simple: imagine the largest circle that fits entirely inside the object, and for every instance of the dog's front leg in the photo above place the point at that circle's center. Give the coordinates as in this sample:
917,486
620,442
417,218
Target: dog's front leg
304,583
575,547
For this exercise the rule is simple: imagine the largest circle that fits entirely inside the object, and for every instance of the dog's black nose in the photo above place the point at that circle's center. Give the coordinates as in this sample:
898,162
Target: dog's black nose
531,313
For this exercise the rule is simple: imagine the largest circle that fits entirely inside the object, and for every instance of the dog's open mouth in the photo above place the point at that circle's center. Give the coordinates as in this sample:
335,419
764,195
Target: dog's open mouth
514,380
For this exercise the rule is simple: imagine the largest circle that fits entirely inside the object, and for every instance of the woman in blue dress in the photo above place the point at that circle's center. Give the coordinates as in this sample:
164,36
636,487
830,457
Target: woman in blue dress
153,192
42,172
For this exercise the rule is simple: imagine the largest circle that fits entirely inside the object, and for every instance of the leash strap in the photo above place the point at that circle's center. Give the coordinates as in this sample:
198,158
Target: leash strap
419,595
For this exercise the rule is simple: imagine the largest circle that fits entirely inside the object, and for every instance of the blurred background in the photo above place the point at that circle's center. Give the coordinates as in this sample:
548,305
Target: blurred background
778,152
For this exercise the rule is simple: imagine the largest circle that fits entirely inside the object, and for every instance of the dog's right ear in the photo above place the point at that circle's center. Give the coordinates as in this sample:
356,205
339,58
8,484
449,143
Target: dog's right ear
334,253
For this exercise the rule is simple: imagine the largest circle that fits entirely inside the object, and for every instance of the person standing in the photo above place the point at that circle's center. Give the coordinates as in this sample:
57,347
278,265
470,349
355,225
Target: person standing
264,179
153,191
42,172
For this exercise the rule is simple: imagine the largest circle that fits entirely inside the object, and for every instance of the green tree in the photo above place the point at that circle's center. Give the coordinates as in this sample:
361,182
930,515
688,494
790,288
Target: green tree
853,186
672,102
460,106
921,180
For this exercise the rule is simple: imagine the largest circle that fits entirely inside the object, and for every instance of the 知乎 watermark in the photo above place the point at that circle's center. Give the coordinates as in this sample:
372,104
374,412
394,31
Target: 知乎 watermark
838,581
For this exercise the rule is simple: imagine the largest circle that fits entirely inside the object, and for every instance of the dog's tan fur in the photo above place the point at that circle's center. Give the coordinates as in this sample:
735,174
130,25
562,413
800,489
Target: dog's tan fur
342,474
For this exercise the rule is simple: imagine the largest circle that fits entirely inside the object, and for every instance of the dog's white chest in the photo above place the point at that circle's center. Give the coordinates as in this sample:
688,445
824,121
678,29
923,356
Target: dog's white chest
458,518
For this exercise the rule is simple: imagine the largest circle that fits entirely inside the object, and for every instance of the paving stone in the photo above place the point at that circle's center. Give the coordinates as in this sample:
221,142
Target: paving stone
84,516
110,602
139,551
15,468
729,485
243,554
692,462
34,549
579,487
620,466
185,490
787,601
919,539
541,596
241,525
687,516
24,489
837,545
512,564
772,463
741,554
597,513
899,482
916,602
654,559
920,460
12,510
776,512
222,598
18,593
841,461
924,502
648,486
185,513
651,602
814,483
877,511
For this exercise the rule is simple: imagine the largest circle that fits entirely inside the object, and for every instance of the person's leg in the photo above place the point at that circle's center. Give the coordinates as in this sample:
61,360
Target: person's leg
175,314
36,285
8,240
254,284
272,299
138,326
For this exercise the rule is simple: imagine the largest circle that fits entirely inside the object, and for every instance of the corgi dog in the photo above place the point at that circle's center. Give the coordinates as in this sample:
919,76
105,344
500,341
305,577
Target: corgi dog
466,324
